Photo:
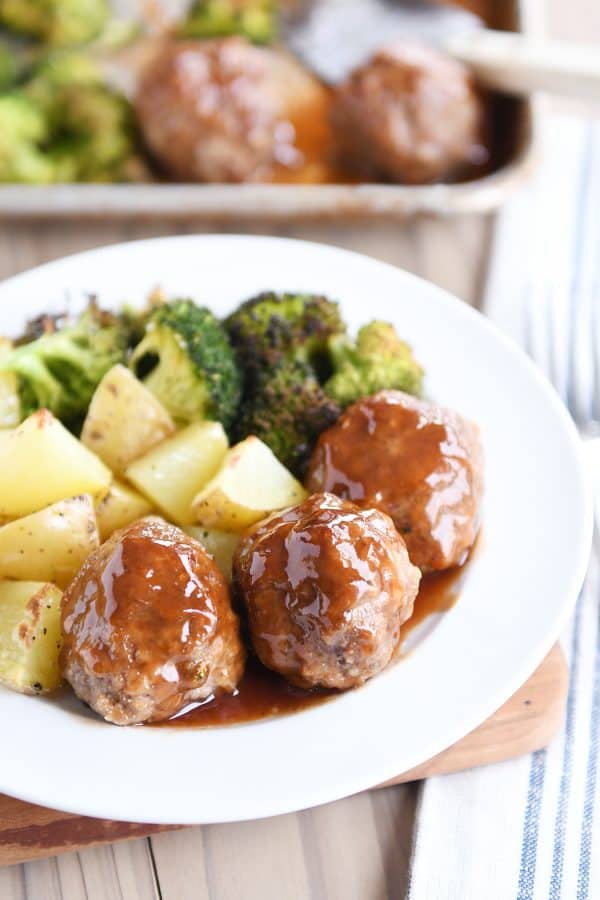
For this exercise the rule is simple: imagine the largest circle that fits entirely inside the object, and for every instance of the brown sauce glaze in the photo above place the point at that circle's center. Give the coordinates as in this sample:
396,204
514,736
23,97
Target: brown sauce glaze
147,625
326,588
316,147
438,593
419,463
262,693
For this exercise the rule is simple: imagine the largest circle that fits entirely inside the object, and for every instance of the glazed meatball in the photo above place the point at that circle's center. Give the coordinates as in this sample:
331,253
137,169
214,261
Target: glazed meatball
148,626
326,587
412,115
418,462
227,111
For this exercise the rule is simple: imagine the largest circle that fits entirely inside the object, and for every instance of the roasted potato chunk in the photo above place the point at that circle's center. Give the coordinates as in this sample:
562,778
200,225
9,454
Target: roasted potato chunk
52,544
30,636
41,462
120,507
124,420
250,484
174,472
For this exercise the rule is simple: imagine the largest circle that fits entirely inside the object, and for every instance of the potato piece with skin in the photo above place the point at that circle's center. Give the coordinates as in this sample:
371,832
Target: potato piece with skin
220,544
173,473
124,420
250,484
52,544
120,507
30,636
41,462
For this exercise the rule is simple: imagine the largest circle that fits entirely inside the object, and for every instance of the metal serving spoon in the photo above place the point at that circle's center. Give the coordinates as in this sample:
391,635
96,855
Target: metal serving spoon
334,36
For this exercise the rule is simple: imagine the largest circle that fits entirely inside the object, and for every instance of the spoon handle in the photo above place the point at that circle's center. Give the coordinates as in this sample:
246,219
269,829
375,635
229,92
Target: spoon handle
520,64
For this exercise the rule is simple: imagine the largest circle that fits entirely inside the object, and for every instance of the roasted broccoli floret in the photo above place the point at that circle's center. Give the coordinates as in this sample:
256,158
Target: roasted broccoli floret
23,130
9,393
57,69
9,69
252,19
95,141
282,342
92,134
271,327
65,125
288,410
61,369
61,23
378,360
186,360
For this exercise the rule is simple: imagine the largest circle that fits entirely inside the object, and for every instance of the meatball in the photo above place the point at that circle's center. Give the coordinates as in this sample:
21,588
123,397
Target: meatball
418,462
148,626
227,111
326,587
410,114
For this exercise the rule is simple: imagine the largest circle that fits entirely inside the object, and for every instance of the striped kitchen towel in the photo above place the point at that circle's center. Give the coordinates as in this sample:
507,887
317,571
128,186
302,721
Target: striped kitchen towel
530,828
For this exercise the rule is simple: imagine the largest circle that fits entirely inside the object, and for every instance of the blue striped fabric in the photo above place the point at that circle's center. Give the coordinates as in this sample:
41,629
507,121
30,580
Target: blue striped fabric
547,252
585,845
567,764
531,825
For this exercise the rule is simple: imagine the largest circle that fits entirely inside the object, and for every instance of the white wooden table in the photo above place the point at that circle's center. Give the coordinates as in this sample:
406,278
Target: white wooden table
355,849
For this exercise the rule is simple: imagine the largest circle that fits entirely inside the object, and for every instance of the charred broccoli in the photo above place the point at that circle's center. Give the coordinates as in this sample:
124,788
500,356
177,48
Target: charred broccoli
271,327
61,369
379,359
252,19
186,360
288,410
282,343
61,23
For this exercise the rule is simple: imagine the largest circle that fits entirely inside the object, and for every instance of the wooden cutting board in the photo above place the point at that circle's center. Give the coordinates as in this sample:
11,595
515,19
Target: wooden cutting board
526,722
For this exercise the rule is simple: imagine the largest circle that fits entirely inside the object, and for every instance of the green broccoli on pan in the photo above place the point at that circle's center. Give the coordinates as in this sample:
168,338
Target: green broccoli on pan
252,19
65,125
288,409
23,130
271,327
378,360
61,23
58,68
61,369
9,68
95,141
92,134
186,360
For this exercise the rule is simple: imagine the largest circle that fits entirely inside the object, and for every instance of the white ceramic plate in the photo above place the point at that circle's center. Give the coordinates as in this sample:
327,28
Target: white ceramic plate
519,589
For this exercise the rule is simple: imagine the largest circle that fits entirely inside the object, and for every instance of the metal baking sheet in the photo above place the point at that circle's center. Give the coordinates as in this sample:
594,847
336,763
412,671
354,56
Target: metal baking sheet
278,202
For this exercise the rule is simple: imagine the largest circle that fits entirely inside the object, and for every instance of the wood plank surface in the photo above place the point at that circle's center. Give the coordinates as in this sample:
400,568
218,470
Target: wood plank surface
526,722
358,848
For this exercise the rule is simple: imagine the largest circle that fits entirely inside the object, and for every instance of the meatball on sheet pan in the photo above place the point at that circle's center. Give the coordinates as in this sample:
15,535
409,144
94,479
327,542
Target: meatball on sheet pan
514,152
516,594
